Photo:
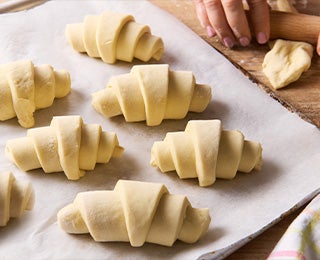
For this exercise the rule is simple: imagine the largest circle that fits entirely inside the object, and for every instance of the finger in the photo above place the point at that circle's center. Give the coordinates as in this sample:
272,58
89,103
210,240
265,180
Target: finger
318,45
203,17
201,13
260,19
237,20
219,22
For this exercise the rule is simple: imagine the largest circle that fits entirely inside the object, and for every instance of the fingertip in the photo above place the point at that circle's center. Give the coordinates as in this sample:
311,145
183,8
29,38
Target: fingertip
228,42
210,31
244,41
262,38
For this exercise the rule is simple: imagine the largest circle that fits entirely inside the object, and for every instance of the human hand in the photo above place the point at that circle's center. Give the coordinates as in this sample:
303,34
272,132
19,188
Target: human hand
227,19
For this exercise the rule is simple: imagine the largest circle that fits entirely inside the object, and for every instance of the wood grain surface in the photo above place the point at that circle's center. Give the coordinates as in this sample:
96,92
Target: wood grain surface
301,97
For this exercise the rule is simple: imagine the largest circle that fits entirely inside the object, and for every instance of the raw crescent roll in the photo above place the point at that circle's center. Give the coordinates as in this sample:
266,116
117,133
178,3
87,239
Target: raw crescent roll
206,152
114,36
152,93
25,88
15,197
66,145
135,212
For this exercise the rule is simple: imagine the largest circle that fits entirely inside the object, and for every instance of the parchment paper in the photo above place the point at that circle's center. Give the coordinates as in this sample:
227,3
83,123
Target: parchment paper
240,208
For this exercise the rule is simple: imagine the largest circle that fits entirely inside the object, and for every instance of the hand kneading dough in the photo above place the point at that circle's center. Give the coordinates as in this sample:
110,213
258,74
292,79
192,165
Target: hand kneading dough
66,145
15,197
286,61
137,212
114,36
25,88
206,152
152,93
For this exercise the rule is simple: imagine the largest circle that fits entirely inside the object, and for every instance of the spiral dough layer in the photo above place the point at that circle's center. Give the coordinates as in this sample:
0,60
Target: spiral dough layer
137,212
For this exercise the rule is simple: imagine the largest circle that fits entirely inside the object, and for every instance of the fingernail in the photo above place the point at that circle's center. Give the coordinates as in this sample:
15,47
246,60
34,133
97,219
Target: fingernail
210,31
228,42
262,38
244,41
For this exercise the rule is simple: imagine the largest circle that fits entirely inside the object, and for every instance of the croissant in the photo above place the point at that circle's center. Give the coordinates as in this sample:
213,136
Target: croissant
152,93
25,88
114,36
15,197
206,152
66,145
137,212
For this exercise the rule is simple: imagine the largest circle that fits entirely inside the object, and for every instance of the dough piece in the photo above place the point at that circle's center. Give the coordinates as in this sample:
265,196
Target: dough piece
245,5
286,61
113,36
25,88
15,197
152,93
206,152
284,6
66,145
137,212
278,5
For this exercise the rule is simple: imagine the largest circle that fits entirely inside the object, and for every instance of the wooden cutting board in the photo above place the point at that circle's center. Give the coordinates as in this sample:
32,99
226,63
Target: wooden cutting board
301,97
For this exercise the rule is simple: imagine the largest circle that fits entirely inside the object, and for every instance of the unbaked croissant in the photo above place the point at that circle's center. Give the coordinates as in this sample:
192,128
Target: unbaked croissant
114,36
152,93
66,145
15,197
137,212
25,88
206,152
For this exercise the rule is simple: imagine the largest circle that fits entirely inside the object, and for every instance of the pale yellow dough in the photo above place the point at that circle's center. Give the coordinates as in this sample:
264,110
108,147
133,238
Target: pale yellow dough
114,36
284,6
15,197
279,5
135,212
152,93
286,61
67,145
25,88
206,152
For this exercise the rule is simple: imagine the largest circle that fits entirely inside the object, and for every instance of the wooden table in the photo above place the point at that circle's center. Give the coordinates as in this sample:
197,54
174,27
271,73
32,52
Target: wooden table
258,248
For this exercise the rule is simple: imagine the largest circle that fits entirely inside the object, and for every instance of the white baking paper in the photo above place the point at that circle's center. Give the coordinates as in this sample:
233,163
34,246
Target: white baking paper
240,208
